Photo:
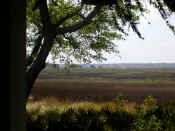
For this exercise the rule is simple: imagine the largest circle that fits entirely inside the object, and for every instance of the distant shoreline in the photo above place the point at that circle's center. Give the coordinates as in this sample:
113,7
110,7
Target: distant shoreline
121,65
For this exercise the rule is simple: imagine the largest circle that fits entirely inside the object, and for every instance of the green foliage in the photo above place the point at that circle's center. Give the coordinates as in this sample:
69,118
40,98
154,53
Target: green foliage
118,119
150,124
146,120
120,101
151,103
91,40
161,118
166,9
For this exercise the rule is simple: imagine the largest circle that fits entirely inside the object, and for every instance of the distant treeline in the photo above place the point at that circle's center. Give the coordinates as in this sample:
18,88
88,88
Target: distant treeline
120,65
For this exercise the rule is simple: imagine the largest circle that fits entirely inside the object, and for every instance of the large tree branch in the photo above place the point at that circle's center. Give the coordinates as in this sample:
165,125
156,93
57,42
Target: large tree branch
80,24
48,34
38,64
44,14
60,21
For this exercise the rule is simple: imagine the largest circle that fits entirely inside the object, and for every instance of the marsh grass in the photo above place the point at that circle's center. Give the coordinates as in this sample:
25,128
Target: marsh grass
51,103
81,100
100,85
50,115
112,75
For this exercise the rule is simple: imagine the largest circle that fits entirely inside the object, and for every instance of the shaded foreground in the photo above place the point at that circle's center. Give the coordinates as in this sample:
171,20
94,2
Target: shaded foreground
148,116
85,100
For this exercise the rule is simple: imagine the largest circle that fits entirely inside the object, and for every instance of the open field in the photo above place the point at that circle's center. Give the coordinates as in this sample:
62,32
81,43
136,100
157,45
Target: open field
82,100
111,74
102,85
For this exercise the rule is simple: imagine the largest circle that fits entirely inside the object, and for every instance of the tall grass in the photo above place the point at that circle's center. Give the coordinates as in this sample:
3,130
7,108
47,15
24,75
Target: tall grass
87,116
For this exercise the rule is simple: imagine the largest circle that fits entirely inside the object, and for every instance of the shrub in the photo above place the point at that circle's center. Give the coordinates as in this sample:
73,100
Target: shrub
150,103
120,101
148,116
169,116
118,119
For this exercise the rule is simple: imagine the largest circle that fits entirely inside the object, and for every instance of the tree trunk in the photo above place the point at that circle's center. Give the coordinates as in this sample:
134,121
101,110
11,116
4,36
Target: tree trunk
39,63
49,34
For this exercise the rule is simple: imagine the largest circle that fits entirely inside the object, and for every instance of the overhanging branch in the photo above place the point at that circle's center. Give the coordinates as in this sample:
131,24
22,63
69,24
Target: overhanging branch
99,2
80,24
68,16
44,14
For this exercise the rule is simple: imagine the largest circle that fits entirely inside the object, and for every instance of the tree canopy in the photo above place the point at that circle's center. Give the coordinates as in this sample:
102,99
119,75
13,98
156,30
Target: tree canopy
81,29
84,32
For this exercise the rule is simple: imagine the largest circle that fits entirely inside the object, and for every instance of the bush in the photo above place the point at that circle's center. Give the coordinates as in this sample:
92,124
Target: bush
118,120
120,101
90,120
148,116
169,116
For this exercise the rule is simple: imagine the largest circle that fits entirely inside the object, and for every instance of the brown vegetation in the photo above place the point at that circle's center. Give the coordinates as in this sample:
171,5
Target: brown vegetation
76,90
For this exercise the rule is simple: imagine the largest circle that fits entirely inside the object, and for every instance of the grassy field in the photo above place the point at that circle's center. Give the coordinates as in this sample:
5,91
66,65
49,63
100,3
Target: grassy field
102,85
117,75
119,115
89,100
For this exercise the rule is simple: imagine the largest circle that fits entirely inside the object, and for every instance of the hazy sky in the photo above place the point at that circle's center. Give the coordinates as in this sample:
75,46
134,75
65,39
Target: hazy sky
158,45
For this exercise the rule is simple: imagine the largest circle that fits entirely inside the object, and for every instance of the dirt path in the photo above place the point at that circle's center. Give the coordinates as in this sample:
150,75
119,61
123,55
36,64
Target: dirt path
100,91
